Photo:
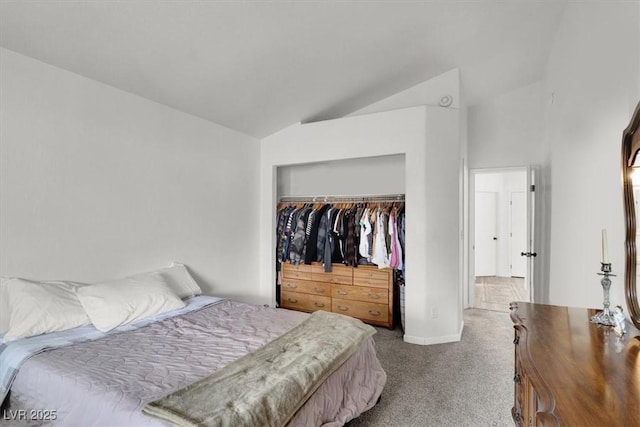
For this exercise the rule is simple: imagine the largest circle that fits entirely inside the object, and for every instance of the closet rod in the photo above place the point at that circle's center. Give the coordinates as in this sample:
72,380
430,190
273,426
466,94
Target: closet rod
343,199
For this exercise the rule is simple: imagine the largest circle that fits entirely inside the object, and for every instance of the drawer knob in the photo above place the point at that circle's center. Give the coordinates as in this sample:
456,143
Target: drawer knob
319,304
291,285
374,313
292,300
374,296
343,308
318,289
343,293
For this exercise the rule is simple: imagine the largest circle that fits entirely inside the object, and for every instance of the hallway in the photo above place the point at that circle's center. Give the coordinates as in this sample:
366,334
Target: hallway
495,293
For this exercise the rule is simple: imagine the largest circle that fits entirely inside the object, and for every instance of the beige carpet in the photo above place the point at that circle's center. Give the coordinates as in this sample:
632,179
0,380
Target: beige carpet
495,293
461,384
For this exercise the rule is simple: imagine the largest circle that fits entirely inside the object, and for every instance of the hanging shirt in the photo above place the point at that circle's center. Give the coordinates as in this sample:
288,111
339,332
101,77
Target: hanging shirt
311,251
395,259
297,243
323,230
350,248
365,235
288,231
380,257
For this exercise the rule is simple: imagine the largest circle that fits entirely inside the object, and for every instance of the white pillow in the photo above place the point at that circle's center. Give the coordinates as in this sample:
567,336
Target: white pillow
118,302
177,277
41,307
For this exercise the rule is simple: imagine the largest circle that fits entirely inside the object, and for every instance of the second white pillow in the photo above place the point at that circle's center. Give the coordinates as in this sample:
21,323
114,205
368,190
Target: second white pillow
118,302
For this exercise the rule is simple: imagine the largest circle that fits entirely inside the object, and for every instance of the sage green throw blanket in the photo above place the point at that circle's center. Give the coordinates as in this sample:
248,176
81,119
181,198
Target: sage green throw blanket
268,386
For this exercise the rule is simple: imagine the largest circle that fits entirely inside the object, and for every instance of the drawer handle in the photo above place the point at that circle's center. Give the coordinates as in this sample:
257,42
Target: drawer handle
343,308
319,304
374,296
343,293
292,300
291,285
318,289
374,313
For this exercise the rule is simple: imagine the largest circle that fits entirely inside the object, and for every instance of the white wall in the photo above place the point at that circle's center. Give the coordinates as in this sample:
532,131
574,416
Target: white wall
591,88
428,92
96,183
364,176
507,130
428,137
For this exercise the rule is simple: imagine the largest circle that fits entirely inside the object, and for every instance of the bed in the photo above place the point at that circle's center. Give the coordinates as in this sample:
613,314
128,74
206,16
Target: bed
83,376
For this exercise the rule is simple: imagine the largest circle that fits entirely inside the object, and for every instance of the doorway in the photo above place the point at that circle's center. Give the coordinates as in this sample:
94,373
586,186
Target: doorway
500,218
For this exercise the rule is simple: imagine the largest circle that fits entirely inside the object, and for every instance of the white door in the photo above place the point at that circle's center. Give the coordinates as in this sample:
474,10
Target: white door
486,238
531,251
518,233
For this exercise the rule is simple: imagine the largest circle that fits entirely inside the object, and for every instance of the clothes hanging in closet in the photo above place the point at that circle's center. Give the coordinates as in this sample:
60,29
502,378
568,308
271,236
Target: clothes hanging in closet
348,233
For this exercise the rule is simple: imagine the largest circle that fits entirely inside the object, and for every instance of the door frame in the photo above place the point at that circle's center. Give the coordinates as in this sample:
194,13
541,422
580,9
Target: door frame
469,287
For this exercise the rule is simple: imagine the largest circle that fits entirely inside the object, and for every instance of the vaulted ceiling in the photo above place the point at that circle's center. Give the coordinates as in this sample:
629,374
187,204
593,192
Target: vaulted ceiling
259,66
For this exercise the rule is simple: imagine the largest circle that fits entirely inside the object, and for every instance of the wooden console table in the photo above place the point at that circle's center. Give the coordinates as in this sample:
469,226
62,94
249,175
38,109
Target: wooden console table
571,372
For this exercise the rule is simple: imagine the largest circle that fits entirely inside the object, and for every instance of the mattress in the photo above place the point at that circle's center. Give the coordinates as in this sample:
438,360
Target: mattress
106,381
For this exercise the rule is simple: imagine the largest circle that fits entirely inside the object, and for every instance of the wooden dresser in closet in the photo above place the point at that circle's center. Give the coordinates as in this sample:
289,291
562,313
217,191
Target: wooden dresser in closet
364,292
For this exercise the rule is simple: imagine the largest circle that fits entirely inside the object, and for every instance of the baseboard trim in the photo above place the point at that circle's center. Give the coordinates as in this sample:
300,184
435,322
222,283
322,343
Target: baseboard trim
434,340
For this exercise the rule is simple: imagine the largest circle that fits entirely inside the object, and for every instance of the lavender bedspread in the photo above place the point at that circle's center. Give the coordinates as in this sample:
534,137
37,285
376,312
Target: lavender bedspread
107,381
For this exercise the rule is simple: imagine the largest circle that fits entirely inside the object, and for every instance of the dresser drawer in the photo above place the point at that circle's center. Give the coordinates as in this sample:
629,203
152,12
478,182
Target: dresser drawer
300,271
339,274
372,312
372,277
360,293
306,286
304,302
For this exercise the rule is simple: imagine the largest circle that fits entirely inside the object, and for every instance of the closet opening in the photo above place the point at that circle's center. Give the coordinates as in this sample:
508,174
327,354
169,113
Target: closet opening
343,190
501,230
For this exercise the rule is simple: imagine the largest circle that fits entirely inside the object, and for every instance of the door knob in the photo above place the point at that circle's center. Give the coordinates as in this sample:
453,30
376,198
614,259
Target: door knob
529,254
